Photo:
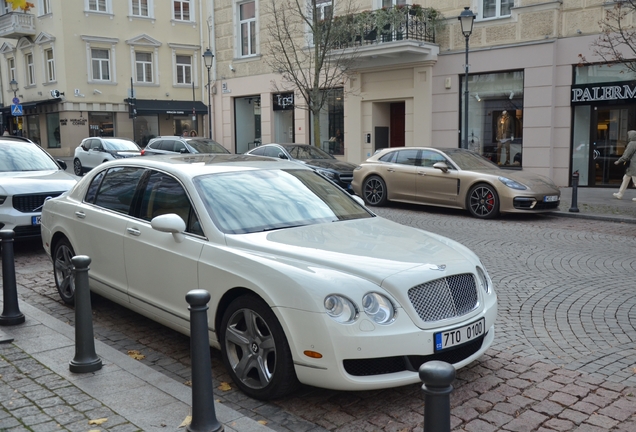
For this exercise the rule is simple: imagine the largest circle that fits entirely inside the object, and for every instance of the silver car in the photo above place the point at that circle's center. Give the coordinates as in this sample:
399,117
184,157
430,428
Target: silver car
96,150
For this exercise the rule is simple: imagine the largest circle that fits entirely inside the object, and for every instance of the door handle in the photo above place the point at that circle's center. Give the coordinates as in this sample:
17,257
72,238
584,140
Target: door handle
390,170
133,231
596,154
80,215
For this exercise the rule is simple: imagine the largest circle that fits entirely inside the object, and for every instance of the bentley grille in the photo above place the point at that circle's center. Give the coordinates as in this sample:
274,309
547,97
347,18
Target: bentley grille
444,298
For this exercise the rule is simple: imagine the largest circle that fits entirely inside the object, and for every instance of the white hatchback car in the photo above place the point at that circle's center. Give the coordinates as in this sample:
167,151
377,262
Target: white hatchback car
96,150
28,176
306,283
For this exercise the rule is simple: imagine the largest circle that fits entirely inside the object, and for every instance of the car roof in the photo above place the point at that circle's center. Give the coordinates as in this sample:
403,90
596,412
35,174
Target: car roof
192,165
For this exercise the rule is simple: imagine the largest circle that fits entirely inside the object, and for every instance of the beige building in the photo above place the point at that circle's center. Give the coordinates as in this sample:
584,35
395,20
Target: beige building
76,65
532,105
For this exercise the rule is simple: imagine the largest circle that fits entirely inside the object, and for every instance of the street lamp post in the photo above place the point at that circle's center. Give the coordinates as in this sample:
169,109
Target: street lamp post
14,87
208,57
466,18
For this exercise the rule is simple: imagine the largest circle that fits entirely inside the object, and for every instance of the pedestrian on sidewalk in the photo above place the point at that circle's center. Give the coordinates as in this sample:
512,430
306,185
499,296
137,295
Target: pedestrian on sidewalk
629,159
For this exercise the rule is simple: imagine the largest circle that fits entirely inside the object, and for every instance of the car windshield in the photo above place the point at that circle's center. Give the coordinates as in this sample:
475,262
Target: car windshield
207,146
306,152
468,160
16,156
262,200
120,144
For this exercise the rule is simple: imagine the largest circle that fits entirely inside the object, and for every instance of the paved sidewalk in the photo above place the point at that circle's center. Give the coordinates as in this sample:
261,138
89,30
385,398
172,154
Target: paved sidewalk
39,393
598,203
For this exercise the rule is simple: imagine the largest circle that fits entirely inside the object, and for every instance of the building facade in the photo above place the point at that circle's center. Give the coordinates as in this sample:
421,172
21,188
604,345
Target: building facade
533,104
83,68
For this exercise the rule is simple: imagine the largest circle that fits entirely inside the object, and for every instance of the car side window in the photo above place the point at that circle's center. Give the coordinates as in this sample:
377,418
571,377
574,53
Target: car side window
259,151
96,145
430,158
117,189
94,187
179,146
167,145
163,195
86,145
407,157
389,157
272,152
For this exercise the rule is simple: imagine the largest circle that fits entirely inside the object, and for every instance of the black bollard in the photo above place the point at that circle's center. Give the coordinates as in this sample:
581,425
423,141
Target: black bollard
86,359
575,187
11,314
437,377
203,413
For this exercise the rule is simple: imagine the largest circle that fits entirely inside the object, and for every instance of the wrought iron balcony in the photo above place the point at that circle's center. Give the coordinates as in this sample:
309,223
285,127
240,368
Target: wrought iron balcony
14,25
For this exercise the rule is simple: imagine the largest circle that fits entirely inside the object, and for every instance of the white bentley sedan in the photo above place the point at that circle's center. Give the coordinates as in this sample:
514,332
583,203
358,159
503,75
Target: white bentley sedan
307,285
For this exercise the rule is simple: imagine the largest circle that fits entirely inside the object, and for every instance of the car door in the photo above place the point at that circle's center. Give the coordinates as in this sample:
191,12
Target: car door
95,154
160,269
102,218
400,175
434,186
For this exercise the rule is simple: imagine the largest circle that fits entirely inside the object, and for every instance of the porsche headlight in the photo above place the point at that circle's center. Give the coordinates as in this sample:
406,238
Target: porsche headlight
378,308
340,308
484,280
512,184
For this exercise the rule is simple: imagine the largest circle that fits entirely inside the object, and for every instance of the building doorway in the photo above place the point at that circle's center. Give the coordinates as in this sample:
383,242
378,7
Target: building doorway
609,128
398,111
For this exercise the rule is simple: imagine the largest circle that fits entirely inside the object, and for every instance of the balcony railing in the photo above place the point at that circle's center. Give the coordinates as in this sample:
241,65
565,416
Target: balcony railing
397,23
15,25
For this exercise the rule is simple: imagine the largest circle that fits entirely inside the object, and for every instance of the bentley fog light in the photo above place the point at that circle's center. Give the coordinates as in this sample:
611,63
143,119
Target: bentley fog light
484,280
378,308
340,308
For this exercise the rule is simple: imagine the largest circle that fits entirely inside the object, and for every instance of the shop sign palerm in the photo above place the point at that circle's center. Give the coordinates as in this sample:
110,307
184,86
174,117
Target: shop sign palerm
608,93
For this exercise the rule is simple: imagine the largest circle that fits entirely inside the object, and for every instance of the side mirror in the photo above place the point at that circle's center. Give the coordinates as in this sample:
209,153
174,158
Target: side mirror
359,200
61,163
170,223
282,156
441,166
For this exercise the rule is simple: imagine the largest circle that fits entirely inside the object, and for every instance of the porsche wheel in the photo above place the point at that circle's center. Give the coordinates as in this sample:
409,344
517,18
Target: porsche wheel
374,191
77,167
63,270
483,201
255,350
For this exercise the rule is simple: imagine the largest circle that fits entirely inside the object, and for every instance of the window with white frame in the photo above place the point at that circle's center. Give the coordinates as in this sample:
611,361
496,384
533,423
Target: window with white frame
495,8
391,3
100,64
247,27
143,67
50,65
184,69
140,8
44,7
11,67
324,9
102,6
182,9
30,69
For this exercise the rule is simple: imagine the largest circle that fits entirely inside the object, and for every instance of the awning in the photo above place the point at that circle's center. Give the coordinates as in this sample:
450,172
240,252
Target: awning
146,106
29,105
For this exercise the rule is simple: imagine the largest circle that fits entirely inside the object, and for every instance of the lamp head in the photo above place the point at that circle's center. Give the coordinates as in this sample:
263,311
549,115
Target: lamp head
466,19
14,85
208,57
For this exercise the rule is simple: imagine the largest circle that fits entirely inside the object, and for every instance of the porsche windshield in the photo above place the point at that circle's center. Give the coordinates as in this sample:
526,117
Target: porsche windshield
262,200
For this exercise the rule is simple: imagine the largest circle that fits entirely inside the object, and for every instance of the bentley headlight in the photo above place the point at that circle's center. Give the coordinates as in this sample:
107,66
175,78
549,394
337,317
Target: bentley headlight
512,184
484,280
340,308
378,308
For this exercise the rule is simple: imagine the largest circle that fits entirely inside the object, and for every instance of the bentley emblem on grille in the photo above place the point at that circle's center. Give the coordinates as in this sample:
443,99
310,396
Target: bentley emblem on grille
441,267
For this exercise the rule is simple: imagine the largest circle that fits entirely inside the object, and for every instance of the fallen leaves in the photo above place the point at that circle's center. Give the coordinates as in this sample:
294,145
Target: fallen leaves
186,421
136,355
98,422
224,386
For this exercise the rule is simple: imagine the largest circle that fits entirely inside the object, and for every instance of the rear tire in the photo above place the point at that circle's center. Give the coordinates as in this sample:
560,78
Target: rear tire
374,191
77,167
255,350
63,270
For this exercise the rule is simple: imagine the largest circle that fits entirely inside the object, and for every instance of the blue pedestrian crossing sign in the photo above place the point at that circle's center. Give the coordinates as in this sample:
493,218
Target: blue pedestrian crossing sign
16,110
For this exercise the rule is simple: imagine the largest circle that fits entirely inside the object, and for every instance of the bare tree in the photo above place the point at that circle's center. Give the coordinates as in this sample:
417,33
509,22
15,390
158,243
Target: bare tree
617,42
306,40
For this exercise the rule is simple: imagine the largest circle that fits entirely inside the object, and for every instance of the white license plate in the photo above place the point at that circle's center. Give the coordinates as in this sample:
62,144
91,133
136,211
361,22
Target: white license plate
459,335
550,198
36,220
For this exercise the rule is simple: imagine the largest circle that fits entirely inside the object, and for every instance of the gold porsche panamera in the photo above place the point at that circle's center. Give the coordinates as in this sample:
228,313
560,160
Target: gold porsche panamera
452,177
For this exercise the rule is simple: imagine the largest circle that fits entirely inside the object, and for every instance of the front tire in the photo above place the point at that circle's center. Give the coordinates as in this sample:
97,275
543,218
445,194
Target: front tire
374,191
255,350
77,167
63,270
483,201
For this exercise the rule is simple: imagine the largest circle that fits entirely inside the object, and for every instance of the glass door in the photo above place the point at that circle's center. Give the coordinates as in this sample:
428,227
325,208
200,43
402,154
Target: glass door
609,139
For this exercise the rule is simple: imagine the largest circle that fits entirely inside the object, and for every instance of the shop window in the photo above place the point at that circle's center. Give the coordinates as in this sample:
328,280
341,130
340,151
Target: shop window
101,124
33,128
146,128
53,130
331,123
495,117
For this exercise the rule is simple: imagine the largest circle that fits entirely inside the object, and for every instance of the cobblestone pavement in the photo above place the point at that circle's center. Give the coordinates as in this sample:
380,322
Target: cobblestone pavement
564,357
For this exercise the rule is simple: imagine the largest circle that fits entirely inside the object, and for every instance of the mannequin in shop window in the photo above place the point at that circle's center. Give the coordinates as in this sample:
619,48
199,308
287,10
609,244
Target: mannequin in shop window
504,136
